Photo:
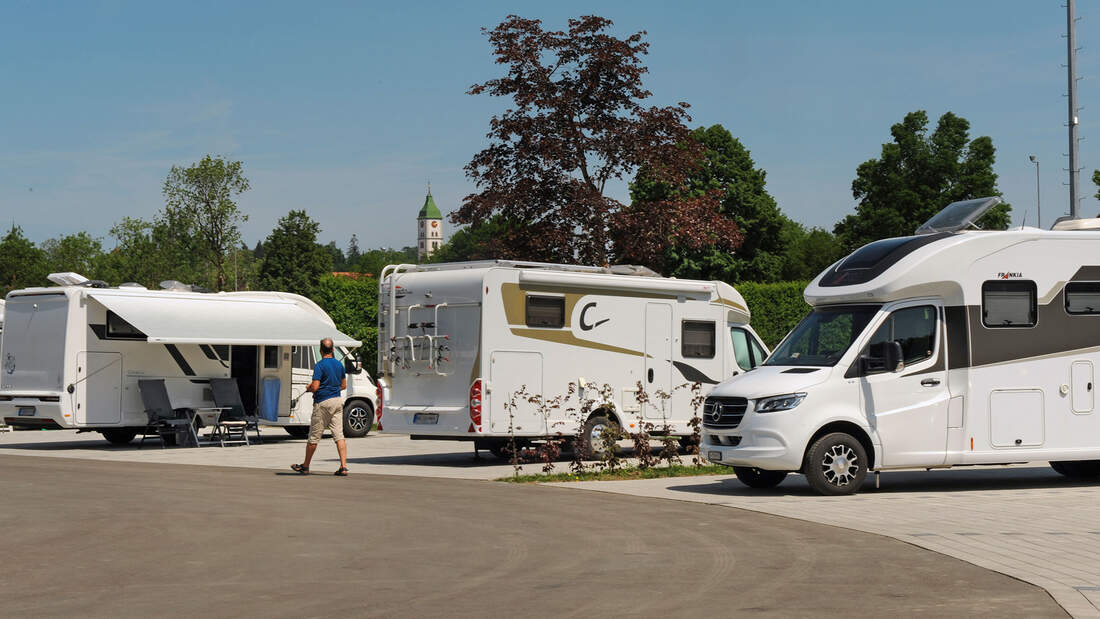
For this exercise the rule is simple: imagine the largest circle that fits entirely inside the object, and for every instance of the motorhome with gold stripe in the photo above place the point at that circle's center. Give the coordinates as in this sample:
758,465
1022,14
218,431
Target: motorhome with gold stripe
458,341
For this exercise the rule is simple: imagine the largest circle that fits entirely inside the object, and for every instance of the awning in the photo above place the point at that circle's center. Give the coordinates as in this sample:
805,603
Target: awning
216,319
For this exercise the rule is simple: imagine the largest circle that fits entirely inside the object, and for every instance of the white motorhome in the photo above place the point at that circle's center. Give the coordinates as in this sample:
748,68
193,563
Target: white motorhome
73,355
951,347
456,341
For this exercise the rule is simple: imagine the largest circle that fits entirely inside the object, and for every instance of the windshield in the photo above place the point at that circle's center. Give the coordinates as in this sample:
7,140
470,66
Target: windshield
822,337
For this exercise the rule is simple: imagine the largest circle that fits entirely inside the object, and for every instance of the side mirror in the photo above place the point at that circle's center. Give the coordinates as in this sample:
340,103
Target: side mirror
350,366
894,359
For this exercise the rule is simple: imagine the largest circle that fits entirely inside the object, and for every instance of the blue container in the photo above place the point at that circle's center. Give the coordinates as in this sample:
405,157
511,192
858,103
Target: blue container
269,398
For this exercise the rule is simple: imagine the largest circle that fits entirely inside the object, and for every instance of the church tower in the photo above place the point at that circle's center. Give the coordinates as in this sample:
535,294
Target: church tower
429,227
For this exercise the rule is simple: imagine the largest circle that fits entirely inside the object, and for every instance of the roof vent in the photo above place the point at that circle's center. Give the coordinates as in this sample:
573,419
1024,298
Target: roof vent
68,278
175,286
1090,223
959,215
132,286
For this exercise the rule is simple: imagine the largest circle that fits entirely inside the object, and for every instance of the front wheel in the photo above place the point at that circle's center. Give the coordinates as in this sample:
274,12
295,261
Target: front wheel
358,418
759,478
835,464
297,431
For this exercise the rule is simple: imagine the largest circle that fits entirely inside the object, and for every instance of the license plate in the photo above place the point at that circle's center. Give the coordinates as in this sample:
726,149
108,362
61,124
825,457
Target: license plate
426,418
714,456
26,411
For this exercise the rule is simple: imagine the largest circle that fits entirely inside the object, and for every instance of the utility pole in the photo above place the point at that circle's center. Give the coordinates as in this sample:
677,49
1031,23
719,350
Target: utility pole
1038,199
1071,76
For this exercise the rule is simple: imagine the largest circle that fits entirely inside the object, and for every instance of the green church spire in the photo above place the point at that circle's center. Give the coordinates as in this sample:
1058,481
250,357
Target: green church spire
429,210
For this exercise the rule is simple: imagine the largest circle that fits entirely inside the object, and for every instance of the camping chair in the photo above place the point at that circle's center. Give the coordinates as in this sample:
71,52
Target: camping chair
234,422
170,424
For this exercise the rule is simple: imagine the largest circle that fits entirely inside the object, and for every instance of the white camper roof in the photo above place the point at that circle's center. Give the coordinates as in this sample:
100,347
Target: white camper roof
255,318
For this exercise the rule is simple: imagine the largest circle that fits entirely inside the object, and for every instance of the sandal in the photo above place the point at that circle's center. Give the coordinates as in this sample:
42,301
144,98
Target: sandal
301,470
341,472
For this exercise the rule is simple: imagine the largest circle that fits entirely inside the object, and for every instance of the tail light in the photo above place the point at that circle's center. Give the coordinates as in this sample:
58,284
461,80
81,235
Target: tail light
475,405
378,408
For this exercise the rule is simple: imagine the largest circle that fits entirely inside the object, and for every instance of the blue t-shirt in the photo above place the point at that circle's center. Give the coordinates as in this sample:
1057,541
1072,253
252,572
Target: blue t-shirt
331,373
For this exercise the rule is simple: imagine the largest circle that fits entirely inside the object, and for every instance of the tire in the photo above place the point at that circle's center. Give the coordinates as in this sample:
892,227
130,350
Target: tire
759,478
1077,468
504,450
297,431
358,418
119,436
835,464
687,442
591,441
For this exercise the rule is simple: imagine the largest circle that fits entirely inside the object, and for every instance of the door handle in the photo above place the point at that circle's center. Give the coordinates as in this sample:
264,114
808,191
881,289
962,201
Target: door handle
930,382
649,375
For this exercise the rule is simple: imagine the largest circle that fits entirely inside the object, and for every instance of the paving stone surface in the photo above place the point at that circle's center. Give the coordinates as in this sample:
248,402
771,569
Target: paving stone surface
1024,521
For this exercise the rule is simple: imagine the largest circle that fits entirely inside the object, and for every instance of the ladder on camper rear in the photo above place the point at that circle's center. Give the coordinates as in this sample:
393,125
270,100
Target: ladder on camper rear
422,348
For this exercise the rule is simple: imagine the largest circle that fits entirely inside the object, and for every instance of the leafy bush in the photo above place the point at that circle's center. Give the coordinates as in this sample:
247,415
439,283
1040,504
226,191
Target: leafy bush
776,308
353,305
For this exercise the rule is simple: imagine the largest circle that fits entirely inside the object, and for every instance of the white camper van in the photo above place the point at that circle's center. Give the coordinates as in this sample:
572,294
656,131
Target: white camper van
73,354
456,341
951,347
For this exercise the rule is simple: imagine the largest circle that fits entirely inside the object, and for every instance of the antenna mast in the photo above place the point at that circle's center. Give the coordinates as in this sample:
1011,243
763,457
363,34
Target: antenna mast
1071,76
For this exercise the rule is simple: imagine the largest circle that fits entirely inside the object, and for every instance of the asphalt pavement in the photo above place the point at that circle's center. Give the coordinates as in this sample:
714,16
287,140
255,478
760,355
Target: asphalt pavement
101,538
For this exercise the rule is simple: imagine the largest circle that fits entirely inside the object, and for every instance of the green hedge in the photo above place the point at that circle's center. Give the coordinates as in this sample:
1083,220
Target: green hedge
776,308
353,305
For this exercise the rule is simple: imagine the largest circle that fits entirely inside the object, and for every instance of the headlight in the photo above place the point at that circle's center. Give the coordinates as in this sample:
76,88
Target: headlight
779,402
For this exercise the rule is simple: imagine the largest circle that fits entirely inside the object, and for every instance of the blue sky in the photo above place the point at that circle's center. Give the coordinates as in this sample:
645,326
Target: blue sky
347,109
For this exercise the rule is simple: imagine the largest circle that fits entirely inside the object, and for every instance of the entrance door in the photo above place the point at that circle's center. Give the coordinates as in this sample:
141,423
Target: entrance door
515,376
909,408
243,367
658,357
100,374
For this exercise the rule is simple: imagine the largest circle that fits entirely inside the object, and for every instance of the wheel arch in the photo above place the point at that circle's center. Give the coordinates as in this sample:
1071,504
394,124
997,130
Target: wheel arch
847,427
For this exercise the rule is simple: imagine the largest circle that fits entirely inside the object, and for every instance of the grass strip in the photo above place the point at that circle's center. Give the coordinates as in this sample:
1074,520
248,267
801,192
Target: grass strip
630,472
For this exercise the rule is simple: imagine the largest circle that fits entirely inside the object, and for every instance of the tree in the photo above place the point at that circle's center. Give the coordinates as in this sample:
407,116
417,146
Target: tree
575,123
474,242
21,263
293,261
338,261
200,197
726,168
1096,181
352,255
79,253
149,252
809,252
917,175
375,260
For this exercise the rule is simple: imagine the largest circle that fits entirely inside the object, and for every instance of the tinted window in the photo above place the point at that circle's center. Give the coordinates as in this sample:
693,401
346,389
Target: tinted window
913,327
741,350
1008,303
1083,297
120,329
822,338
758,353
545,311
697,339
871,260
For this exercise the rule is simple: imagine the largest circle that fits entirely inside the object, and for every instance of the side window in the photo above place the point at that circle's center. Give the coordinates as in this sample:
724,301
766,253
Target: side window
913,327
697,339
271,357
1083,297
119,329
545,311
758,354
1008,303
741,348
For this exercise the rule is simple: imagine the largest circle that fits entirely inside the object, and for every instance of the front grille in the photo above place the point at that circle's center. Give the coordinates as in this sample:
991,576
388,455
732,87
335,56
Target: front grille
723,413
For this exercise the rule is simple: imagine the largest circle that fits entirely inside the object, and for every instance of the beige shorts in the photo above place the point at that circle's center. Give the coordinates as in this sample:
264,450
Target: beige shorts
327,415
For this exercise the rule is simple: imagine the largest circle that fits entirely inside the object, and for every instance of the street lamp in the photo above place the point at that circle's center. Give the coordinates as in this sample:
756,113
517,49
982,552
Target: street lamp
1038,205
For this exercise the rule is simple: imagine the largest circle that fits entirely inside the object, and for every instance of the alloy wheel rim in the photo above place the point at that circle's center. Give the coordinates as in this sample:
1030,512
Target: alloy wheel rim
596,437
357,418
840,465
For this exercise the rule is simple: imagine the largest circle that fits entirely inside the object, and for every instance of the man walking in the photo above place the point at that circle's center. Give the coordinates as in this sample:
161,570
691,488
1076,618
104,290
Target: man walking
329,379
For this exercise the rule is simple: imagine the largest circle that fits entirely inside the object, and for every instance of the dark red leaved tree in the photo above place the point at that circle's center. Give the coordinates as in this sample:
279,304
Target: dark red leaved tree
575,124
